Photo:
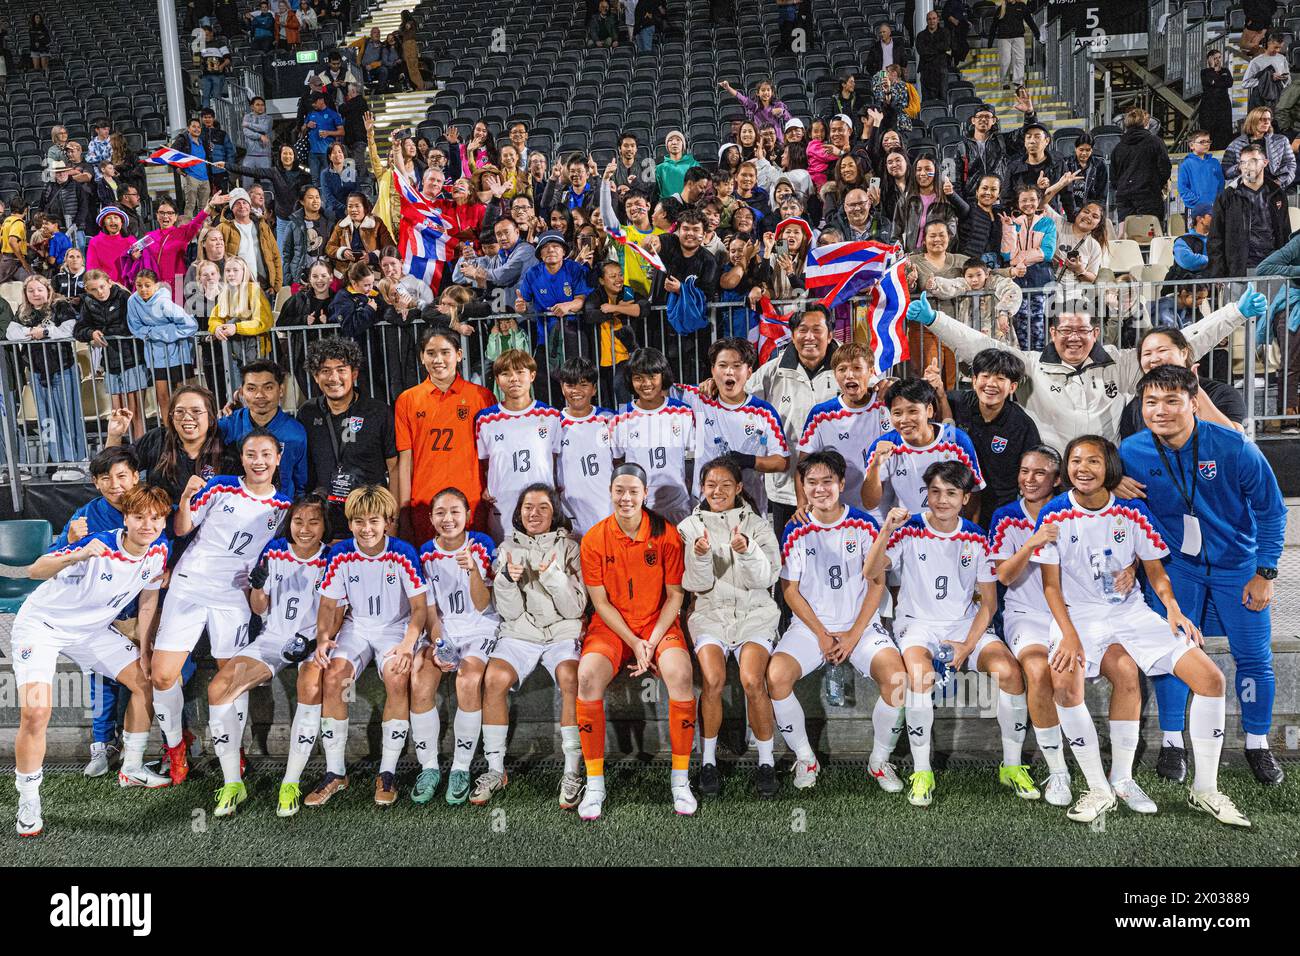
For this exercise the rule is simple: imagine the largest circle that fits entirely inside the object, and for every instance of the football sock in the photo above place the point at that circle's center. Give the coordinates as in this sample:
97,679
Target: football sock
884,720
920,721
1049,742
424,731
1205,726
710,746
1173,738
223,721
494,746
765,751
465,725
789,720
393,743
571,744
167,706
28,784
681,732
302,738
134,744
241,714
1077,725
1123,747
591,730
1013,721
900,724
334,741
1256,741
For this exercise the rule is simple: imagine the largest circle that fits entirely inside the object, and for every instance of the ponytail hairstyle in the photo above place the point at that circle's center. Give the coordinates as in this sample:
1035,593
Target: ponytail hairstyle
732,467
657,522
308,499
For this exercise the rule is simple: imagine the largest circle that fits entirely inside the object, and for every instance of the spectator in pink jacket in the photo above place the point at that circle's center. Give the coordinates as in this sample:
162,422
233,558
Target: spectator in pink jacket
106,248
763,108
164,252
823,154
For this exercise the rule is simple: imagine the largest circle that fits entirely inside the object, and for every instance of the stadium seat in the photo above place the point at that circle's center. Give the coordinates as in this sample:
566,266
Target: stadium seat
1294,214
1162,251
1141,229
21,542
1123,256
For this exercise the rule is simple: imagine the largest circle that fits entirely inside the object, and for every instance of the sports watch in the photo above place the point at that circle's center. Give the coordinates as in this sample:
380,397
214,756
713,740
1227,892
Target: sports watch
1268,574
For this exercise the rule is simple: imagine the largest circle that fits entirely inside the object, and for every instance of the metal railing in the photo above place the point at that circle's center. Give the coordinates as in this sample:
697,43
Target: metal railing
56,396
1081,92
1157,37
1176,55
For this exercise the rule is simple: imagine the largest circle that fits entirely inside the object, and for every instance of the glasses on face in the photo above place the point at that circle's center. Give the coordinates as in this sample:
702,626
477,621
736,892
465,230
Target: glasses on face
194,414
856,205
1075,332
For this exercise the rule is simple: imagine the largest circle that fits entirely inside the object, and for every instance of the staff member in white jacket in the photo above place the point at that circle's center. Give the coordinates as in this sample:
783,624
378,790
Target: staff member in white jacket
1077,386
540,599
732,561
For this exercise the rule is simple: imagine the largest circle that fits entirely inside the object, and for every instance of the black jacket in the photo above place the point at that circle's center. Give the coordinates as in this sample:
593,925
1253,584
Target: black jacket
999,150
1140,165
285,184
124,351
1091,188
932,49
1231,227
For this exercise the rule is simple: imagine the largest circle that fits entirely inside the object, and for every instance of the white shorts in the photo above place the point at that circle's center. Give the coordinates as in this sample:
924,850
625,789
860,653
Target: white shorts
729,650
182,622
914,633
1025,629
476,644
266,649
359,649
524,656
1138,629
36,649
800,644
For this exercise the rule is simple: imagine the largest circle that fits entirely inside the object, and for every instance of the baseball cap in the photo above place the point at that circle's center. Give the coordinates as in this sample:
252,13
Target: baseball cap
1202,209
794,122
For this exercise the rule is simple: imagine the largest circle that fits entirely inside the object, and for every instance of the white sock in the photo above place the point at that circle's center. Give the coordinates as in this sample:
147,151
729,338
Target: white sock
241,714
680,778
596,785
1049,742
789,720
1256,741
334,741
167,705
134,744
29,784
1205,726
884,733
900,724
466,726
1173,738
494,746
765,751
1123,747
223,721
394,734
920,721
710,745
1013,721
1077,724
302,738
571,744
424,731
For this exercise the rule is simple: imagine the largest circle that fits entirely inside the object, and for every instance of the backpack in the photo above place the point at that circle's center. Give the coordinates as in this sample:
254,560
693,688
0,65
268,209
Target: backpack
913,108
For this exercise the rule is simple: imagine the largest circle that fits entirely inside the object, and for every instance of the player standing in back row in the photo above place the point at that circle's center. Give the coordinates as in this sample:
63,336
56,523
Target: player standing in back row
584,453
655,431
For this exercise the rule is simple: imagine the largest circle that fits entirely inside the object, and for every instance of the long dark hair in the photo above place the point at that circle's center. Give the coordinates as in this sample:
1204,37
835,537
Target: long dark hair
211,454
558,518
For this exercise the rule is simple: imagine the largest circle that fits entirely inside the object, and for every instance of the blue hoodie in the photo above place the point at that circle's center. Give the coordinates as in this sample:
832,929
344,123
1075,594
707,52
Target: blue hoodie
1200,179
99,515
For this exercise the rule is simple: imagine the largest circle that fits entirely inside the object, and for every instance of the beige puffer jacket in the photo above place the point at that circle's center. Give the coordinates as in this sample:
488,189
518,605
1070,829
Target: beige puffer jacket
732,591
541,608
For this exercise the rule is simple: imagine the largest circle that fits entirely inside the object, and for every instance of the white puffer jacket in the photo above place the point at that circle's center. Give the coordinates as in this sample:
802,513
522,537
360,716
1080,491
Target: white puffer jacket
732,591
541,608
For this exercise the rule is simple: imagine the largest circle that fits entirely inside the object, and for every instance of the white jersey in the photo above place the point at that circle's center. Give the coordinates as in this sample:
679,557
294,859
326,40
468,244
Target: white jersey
234,526
1010,528
826,560
1123,526
519,448
449,586
658,440
87,597
377,588
849,431
900,477
586,461
751,428
939,570
293,589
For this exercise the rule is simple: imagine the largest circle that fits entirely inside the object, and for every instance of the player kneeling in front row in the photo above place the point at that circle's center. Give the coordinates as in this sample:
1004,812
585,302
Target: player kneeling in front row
284,586
380,580
732,561
944,563
835,602
541,600
1099,536
458,568
84,588
632,566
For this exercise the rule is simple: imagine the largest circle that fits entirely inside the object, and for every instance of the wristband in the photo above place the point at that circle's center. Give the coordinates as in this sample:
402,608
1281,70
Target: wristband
745,461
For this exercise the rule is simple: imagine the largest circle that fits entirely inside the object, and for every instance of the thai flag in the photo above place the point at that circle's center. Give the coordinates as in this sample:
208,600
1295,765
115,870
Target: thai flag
886,318
615,228
843,269
425,245
772,331
166,156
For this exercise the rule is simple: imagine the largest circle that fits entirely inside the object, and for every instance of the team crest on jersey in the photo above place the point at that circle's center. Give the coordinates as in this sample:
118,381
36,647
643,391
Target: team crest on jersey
271,522
677,431
850,546
390,577
999,444
749,429
462,413
1208,469
966,559
26,653
353,424
1118,533
651,558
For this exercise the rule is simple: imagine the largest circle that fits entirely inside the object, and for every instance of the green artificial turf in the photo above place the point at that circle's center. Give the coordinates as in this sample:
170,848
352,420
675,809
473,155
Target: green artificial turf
845,820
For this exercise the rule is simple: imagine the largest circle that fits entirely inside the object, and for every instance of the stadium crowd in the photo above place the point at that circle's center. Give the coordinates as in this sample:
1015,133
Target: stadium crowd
296,264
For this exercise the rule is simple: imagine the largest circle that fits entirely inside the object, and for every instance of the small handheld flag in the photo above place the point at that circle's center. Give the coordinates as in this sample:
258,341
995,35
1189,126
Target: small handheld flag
166,156
615,228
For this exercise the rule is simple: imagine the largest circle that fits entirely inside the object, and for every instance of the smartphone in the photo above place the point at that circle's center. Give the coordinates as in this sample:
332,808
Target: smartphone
780,248
950,169
875,183
584,241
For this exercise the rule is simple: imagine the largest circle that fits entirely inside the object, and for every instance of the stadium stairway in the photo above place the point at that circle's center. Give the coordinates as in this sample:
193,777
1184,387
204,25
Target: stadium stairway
393,110
983,73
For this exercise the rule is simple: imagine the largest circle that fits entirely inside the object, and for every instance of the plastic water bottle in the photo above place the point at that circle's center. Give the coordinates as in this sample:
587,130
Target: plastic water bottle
443,650
1106,570
943,669
837,685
